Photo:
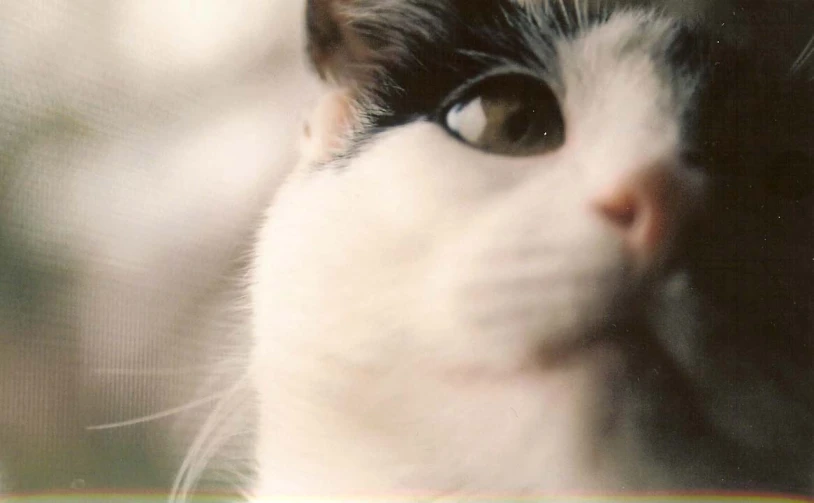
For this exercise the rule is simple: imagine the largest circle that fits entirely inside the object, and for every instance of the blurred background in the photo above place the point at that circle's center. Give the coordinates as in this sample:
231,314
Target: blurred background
139,142
139,139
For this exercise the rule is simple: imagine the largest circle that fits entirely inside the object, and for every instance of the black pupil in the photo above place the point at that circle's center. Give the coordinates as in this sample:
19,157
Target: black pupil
519,124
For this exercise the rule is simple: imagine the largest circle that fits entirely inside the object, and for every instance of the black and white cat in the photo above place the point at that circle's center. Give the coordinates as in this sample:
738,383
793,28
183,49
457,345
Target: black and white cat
538,248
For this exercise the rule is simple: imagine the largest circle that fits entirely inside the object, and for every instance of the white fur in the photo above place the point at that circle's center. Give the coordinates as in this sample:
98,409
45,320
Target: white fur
401,303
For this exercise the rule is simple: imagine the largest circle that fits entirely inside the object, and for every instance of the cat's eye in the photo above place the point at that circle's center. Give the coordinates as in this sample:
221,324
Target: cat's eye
508,114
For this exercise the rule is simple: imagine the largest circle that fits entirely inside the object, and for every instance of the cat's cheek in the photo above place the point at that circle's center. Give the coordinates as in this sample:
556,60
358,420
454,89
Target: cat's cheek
529,277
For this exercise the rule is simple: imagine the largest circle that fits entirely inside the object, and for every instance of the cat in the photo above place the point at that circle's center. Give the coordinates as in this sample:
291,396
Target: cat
537,248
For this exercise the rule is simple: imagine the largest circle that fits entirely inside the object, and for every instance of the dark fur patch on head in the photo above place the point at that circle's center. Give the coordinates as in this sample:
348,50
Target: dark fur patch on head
333,46
428,48
407,54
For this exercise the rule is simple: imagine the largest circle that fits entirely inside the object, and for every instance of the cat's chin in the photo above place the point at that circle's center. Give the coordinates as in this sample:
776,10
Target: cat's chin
457,430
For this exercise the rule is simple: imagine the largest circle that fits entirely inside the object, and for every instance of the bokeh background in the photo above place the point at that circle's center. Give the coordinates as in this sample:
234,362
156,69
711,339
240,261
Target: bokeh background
139,139
139,142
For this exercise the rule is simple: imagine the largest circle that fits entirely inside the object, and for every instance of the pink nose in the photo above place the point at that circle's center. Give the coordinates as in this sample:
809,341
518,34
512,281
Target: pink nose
648,208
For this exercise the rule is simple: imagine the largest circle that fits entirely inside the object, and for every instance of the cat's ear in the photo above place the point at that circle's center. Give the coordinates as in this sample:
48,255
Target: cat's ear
328,127
337,49
349,41
341,55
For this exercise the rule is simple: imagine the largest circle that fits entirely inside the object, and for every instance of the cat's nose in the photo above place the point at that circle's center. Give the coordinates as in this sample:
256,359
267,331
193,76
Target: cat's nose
649,208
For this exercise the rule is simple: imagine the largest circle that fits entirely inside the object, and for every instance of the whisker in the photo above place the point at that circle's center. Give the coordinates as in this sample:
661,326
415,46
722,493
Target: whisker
160,415
804,57
152,371
205,443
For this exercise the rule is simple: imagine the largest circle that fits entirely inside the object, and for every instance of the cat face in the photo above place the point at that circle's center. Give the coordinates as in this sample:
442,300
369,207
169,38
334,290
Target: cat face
537,248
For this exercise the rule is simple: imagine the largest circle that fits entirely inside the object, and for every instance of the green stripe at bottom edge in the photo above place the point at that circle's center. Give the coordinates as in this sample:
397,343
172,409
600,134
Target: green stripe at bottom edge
162,498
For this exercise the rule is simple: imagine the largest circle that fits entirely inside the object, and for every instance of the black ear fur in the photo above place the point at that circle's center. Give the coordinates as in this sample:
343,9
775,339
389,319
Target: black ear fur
350,40
336,50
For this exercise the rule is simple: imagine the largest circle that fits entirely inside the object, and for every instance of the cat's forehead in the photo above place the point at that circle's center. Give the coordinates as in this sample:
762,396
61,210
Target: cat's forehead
624,53
621,92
